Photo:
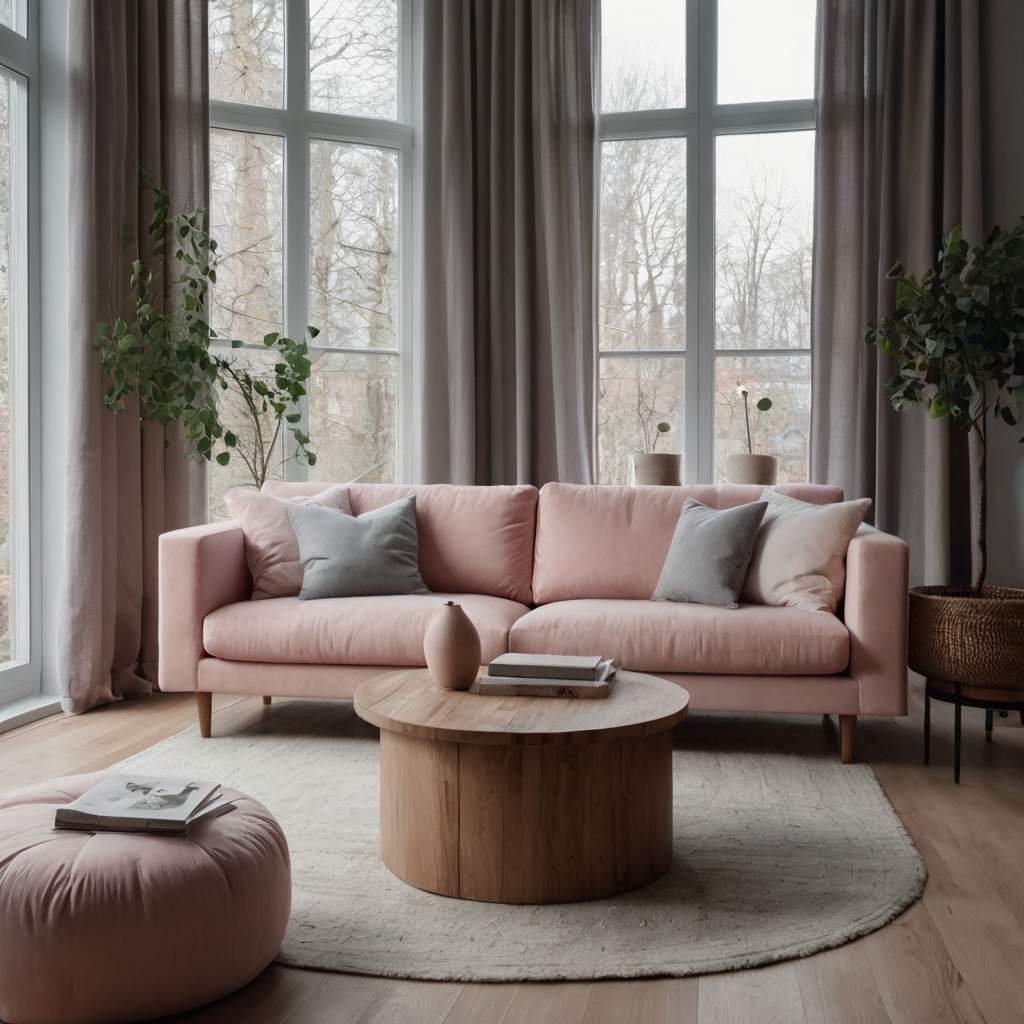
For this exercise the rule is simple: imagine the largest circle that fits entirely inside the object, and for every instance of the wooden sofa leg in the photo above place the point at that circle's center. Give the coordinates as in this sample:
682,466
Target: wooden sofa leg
847,727
266,699
204,705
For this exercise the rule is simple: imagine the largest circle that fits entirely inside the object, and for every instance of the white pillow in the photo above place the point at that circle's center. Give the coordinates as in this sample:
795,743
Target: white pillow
799,557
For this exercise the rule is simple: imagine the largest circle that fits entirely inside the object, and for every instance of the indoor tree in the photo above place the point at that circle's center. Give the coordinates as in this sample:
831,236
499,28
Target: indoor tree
957,336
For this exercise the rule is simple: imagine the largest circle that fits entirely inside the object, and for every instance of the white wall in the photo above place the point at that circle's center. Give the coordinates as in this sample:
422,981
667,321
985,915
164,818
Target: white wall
1003,131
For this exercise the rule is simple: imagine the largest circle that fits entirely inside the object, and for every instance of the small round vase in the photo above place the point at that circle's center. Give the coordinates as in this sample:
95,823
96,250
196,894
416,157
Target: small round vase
658,468
451,647
744,468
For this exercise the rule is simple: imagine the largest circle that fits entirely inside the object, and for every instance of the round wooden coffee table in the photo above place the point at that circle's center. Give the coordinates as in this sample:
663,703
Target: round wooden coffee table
524,799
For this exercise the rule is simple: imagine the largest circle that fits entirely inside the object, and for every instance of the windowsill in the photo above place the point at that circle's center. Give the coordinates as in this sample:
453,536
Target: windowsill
28,709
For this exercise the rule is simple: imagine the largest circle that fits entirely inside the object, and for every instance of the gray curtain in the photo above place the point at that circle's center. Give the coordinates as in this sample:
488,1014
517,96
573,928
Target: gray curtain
509,241
137,96
898,164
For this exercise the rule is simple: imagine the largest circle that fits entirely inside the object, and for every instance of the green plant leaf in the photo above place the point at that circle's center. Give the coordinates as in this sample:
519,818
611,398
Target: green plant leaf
223,458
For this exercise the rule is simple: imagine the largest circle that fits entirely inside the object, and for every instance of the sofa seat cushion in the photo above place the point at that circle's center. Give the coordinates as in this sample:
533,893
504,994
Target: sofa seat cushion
656,636
349,630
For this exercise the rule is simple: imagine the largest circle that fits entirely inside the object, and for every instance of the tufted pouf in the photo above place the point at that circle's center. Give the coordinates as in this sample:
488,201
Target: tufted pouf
111,927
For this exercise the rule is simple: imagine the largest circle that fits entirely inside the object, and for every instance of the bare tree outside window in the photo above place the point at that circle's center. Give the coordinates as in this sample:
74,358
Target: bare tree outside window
353,57
353,299
247,51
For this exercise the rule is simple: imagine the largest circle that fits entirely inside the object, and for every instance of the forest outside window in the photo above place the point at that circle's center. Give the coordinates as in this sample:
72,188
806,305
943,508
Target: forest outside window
705,231
311,174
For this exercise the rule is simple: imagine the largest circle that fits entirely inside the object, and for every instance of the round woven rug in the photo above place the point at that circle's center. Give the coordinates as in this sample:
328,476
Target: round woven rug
780,851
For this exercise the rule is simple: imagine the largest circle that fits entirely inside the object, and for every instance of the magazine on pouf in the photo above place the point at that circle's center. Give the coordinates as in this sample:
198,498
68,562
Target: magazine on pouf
141,803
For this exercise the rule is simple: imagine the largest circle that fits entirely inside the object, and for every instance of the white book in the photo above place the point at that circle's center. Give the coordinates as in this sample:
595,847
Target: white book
142,803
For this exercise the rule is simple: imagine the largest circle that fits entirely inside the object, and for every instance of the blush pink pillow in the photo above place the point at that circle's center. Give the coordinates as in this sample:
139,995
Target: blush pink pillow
271,548
799,557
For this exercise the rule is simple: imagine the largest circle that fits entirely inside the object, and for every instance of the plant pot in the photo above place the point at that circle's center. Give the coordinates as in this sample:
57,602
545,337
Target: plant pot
744,468
658,468
978,641
451,647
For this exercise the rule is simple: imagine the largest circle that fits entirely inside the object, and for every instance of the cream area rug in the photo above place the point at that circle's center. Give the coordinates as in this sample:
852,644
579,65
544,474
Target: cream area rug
780,851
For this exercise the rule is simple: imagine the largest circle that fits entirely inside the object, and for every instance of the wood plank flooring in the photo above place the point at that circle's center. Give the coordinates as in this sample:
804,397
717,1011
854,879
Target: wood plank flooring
957,955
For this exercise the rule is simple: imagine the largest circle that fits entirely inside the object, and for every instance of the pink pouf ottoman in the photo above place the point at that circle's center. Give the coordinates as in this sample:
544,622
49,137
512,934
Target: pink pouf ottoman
108,927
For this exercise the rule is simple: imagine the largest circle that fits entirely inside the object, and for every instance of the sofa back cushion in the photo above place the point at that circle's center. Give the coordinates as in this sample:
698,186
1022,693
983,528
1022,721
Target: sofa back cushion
472,540
611,542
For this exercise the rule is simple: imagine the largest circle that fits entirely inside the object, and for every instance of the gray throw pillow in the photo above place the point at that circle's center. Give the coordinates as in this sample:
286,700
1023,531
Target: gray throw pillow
358,556
710,551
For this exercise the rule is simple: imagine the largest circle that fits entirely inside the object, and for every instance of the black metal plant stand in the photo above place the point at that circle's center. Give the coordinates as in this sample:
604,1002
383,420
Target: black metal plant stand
959,700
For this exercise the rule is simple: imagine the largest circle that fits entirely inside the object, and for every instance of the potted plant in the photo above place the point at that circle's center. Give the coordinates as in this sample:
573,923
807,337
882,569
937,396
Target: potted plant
958,338
165,358
654,467
752,467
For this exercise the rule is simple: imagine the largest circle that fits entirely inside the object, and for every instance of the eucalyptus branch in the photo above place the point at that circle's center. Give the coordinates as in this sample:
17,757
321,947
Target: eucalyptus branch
160,350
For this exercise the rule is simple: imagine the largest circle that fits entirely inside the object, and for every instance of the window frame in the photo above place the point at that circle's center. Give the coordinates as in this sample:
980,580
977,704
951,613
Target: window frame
299,126
19,55
700,122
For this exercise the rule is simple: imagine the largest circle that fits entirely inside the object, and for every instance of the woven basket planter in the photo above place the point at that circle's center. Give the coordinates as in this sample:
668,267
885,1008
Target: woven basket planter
978,641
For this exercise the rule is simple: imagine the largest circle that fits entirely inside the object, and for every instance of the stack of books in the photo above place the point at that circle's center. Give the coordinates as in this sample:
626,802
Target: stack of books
547,675
140,803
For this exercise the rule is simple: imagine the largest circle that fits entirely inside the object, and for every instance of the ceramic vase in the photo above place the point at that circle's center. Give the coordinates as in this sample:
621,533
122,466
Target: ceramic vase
451,647
656,468
744,468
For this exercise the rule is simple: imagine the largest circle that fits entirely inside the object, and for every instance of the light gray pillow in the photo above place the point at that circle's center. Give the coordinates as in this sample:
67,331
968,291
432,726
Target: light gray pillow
710,551
358,556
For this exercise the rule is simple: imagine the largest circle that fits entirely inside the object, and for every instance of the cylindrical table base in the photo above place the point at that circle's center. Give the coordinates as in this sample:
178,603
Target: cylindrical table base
543,823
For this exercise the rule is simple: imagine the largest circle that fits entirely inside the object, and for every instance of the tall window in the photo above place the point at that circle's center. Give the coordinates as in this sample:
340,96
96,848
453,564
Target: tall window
19,674
311,178
705,238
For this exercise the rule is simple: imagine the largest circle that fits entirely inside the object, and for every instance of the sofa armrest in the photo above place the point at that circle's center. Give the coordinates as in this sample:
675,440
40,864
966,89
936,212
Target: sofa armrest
201,568
877,572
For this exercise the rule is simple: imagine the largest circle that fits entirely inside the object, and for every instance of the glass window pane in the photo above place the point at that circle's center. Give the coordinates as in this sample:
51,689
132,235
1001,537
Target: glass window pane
643,54
353,417
7,398
634,396
783,430
234,417
247,51
643,244
763,240
765,50
353,57
246,208
12,14
353,227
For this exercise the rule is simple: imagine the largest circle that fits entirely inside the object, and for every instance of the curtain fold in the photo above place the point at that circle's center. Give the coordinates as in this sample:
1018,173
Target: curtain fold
137,97
509,130
898,164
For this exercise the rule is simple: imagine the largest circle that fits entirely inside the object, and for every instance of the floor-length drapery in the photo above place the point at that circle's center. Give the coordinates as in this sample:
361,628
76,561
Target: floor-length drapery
508,362
898,164
137,97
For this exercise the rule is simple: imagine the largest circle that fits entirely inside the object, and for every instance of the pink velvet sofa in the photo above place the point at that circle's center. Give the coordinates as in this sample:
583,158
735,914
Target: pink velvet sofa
568,569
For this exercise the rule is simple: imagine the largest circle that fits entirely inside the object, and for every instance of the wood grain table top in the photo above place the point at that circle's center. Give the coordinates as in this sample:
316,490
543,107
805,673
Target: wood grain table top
408,702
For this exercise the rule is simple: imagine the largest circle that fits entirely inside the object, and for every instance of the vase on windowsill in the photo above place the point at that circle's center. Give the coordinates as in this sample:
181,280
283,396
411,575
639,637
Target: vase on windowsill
747,468
657,469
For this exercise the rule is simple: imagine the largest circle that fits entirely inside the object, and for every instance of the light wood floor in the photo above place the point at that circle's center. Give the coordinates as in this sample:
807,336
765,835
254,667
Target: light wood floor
956,955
